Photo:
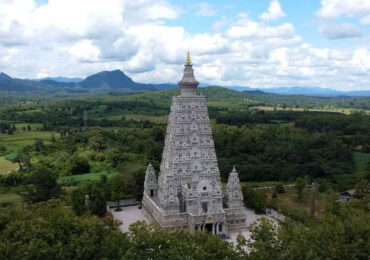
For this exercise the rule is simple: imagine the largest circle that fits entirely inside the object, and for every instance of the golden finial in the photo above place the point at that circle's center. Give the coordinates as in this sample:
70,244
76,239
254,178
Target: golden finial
188,60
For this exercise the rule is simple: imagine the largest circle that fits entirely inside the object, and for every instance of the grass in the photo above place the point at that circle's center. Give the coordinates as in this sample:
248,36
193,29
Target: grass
6,166
11,198
33,126
252,184
289,200
93,176
20,138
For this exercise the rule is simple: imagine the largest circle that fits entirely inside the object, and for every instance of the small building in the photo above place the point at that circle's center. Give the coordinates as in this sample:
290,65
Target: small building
347,195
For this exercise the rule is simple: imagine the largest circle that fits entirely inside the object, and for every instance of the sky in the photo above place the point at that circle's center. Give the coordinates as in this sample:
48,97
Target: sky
254,43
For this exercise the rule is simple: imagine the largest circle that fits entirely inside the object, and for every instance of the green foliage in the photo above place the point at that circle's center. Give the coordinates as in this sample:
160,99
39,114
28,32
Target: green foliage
20,157
77,165
345,235
300,184
98,194
44,185
280,152
150,242
117,188
362,189
279,189
255,199
50,231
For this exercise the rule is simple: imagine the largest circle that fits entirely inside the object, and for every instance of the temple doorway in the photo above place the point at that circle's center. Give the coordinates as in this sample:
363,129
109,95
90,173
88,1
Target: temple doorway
209,227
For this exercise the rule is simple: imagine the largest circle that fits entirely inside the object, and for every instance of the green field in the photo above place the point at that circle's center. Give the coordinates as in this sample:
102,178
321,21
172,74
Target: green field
33,126
6,166
20,138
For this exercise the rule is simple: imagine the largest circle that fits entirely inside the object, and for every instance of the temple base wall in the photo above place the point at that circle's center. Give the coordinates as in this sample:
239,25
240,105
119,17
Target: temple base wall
232,219
236,218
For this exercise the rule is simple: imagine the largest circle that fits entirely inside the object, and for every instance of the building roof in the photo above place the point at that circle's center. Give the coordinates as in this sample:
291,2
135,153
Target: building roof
348,192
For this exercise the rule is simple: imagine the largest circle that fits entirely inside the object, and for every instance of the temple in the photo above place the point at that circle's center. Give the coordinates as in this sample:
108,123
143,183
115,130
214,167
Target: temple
187,193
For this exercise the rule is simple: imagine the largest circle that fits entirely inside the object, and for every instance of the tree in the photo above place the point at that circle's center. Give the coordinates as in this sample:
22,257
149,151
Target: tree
255,199
300,183
279,189
362,189
97,199
22,158
48,230
38,145
78,165
151,242
341,236
44,185
117,189
313,199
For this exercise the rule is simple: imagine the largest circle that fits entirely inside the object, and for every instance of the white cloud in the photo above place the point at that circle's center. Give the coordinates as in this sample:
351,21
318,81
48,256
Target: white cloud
361,59
273,12
341,31
245,28
331,9
205,9
81,37
85,51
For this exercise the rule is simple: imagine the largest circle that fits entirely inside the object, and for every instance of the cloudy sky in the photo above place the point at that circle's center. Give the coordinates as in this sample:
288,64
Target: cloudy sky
256,43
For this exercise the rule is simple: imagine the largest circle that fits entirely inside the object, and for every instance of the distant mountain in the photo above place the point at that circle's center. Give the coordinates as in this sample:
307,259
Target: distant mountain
62,79
117,80
305,91
7,83
4,76
102,81
59,83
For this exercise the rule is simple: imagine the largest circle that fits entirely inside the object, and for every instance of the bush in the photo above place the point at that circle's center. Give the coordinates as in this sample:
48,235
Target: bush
255,199
98,195
279,189
77,165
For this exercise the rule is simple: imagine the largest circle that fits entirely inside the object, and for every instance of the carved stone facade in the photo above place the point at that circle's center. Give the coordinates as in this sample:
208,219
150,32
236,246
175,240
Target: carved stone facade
188,194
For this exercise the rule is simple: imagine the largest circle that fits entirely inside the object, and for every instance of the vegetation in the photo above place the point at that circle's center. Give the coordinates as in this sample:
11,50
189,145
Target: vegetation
342,233
97,148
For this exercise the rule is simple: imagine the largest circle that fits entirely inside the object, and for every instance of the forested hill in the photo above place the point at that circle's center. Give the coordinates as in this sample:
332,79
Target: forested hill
118,81
102,81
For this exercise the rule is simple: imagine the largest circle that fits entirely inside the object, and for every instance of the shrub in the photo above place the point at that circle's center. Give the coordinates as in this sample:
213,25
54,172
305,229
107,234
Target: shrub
279,189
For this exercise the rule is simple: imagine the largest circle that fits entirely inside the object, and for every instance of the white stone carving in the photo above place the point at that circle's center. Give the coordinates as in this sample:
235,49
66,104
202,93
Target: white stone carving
188,193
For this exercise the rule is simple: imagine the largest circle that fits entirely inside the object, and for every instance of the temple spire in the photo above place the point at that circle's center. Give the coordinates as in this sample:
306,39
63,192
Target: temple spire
188,60
188,83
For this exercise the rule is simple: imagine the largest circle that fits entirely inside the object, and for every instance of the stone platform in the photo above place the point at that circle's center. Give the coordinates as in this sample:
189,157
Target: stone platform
131,214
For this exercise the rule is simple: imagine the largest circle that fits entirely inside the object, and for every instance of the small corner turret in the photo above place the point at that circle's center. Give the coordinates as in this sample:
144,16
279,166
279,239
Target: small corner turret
234,195
150,183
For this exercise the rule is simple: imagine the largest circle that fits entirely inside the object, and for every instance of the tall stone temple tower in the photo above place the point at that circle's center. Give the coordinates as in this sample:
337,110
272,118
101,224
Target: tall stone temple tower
188,192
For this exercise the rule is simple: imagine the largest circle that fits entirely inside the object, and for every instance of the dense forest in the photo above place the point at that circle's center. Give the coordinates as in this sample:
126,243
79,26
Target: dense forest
111,132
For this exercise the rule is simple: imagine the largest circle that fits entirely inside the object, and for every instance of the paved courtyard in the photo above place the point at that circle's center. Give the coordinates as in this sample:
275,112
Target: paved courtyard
131,214
128,216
